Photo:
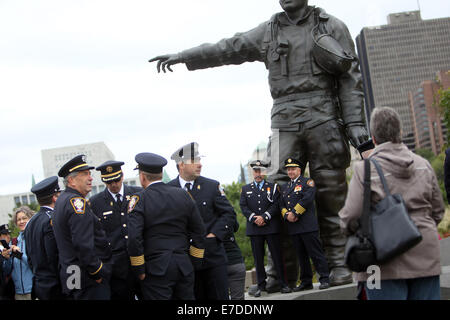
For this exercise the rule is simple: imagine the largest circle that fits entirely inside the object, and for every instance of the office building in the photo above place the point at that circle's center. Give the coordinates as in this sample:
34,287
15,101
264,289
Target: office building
396,58
429,128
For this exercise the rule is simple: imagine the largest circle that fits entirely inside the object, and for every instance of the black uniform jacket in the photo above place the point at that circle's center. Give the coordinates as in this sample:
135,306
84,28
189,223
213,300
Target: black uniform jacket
255,202
81,239
42,251
164,227
218,216
299,199
114,220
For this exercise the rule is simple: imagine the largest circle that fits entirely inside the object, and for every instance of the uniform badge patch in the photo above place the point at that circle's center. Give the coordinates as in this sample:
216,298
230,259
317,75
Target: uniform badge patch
128,198
78,204
133,202
109,169
310,183
298,188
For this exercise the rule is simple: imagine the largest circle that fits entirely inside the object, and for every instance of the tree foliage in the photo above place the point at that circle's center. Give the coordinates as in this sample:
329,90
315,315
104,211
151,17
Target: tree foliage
444,104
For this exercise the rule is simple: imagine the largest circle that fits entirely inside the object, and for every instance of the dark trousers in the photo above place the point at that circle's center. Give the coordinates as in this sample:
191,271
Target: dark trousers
274,244
236,281
212,283
47,289
308,246
97,291
171,286
125,289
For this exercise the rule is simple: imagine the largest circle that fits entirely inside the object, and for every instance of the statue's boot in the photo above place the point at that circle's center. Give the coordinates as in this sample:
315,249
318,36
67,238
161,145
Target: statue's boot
334,247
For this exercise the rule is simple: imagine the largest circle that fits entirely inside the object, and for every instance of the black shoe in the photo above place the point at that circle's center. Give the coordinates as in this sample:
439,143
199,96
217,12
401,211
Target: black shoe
303,287
257,293
324,285
286,289
340,276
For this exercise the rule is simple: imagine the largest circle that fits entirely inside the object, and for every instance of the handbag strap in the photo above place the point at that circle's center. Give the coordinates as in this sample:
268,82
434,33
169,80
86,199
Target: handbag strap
365,227
382,178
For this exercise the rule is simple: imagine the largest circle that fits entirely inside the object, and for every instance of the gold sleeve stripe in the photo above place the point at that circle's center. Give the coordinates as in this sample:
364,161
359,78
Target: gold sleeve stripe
196,252
299,209
283,211
137,261
101,265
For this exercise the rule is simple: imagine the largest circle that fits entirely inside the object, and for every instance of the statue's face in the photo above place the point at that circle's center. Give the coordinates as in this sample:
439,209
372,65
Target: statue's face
292,5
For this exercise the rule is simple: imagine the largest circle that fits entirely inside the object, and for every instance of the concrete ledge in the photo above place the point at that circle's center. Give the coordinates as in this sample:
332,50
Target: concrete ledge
345,292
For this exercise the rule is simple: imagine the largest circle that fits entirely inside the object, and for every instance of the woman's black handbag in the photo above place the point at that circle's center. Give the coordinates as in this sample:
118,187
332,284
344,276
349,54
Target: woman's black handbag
386,229
359,250
393,231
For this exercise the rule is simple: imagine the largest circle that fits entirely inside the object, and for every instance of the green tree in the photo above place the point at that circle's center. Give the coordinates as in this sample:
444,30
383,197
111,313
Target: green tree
444,104
438,166
426,153
233,193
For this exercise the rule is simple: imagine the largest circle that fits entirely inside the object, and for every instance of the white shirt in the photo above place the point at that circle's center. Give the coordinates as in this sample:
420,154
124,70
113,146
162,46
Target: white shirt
114,194
183,182
158,181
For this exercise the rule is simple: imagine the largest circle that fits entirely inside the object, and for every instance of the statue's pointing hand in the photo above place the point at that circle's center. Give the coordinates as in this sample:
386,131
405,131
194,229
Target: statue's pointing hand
165,61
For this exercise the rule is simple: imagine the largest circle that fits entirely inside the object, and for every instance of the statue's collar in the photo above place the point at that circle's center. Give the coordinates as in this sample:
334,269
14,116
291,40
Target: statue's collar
284,18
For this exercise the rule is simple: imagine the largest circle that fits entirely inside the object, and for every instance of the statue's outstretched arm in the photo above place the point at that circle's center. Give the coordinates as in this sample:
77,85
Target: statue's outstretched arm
166,61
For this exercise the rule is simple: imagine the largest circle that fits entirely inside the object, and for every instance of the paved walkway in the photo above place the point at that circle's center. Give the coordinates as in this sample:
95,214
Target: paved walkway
345,292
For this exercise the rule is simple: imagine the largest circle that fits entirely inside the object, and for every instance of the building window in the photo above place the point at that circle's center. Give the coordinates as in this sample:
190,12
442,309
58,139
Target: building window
17,201
24,200
33,198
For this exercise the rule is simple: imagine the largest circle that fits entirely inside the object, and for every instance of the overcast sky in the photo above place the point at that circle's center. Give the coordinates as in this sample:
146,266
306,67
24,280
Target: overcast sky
76,71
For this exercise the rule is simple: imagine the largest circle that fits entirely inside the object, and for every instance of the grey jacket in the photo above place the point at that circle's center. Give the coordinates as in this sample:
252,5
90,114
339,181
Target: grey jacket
413,177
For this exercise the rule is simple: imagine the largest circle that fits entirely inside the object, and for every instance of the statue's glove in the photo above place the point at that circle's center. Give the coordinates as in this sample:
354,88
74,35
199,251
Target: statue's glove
166,61
357,134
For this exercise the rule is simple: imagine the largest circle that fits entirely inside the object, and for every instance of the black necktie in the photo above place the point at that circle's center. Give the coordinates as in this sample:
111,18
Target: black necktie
188,186
119,202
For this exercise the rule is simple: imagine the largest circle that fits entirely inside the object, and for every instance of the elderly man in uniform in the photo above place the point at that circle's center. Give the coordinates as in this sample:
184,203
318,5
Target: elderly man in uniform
259,205
299,212
111,207
211,280
318,105
162,222
41,248
84,250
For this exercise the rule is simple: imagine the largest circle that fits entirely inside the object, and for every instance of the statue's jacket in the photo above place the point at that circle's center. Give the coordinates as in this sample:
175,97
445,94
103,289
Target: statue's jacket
302,91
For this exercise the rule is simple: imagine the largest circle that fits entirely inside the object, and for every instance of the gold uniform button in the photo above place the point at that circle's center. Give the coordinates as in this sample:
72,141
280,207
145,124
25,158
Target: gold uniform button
124,225
126,237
